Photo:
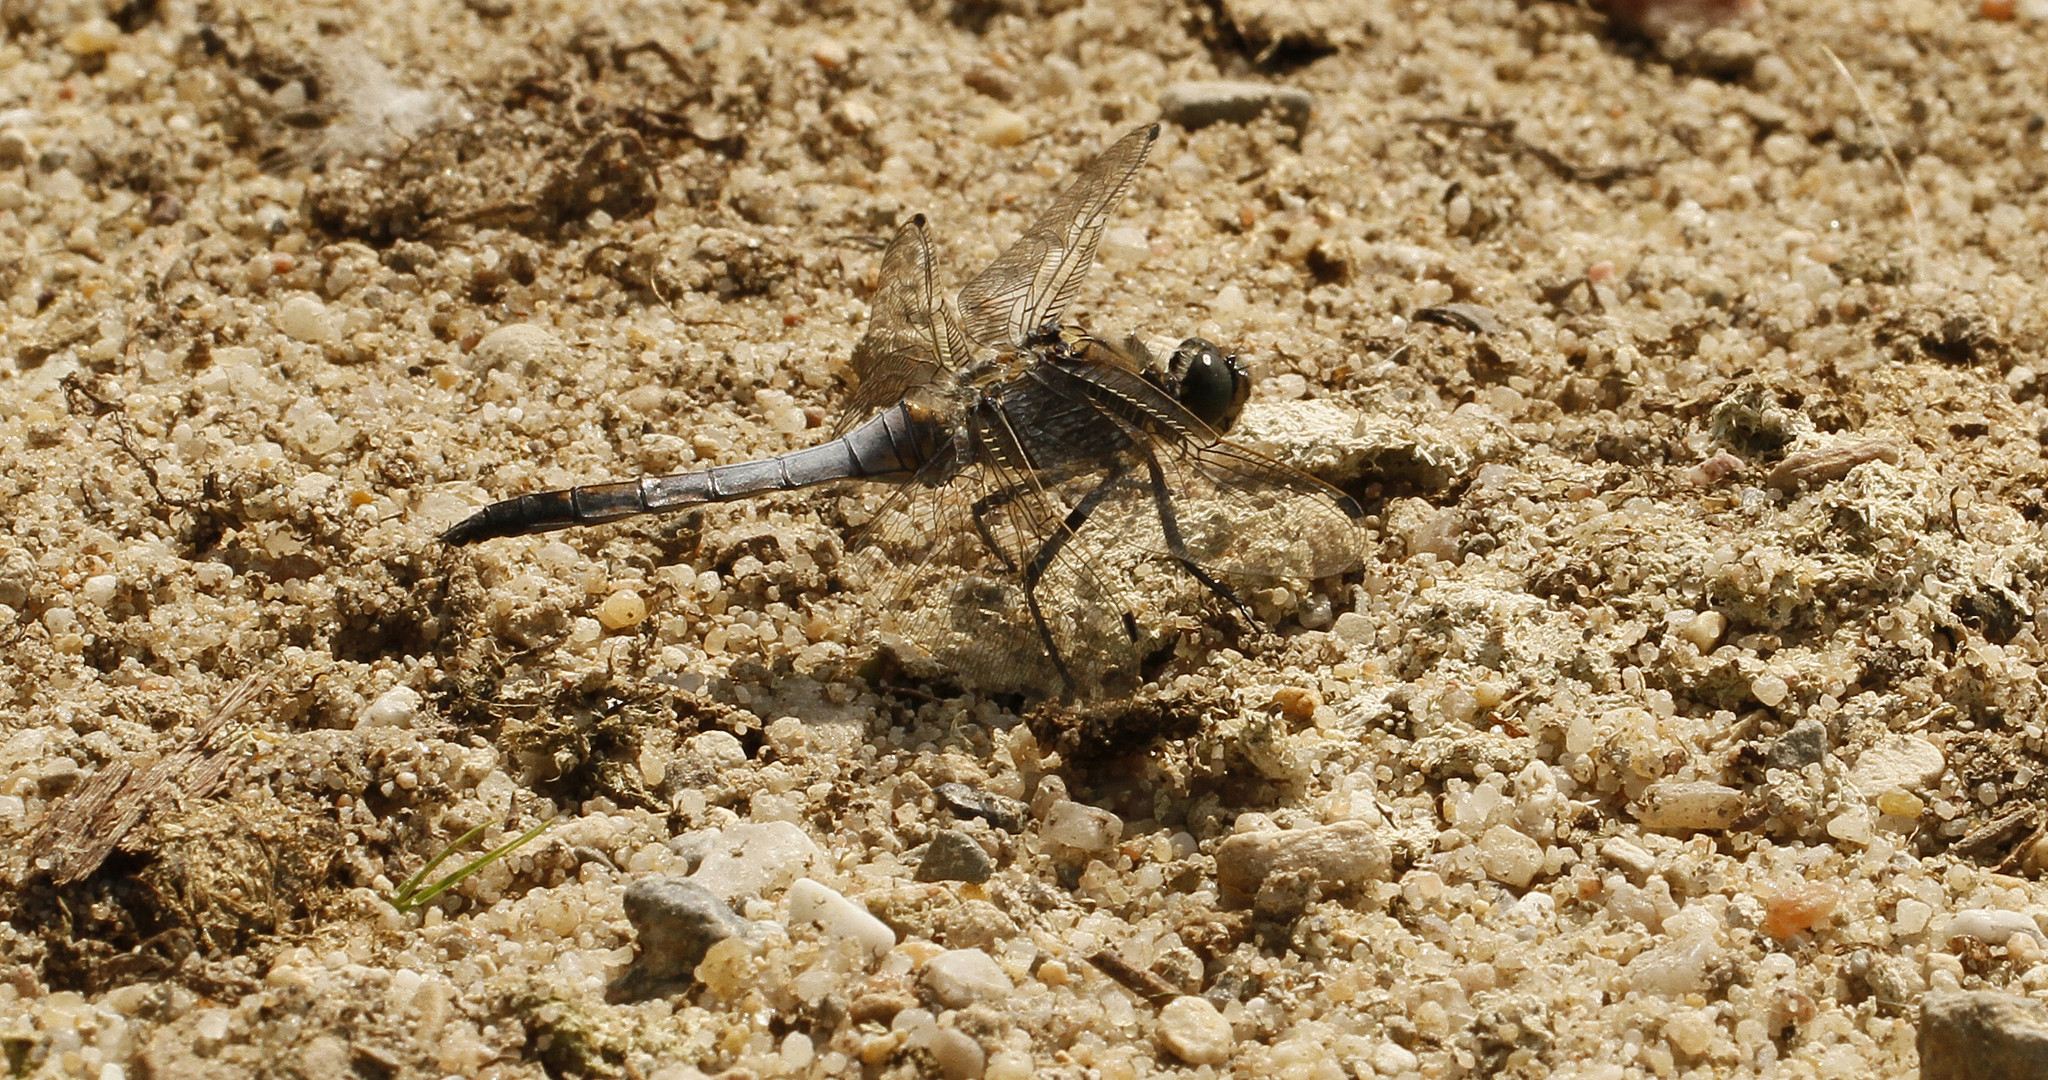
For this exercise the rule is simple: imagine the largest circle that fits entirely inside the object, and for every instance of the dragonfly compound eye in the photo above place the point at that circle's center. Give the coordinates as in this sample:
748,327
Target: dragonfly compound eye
1213,385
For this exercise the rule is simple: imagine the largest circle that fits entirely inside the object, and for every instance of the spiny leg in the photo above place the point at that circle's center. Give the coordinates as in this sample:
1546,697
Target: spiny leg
1042,559
1176,545
996,500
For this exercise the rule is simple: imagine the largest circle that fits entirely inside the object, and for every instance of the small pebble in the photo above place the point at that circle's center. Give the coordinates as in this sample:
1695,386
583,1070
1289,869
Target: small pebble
165,208
829,53
1704,630
954,856
1993,925
395,708
1192,1030
797,1052
92,37
57,776
749,859
1084,828
879,1006
1816,467
1805,744
15,149
621,610
1340,856
1124,247
100,589
1770,691
1906,763
1689,805
1637,863
1509,857
1851,826
1707,473
1008,1065
676,922
1354,629
516,347
961,977
1796,909
305,318
1000,811
959,1057
995,82
1004,127
1199,103
1393,1059
1910,916
1297,704
812,902
1675,968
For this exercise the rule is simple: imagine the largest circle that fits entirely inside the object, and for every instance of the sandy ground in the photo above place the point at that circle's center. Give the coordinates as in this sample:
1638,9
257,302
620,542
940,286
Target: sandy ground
1683,721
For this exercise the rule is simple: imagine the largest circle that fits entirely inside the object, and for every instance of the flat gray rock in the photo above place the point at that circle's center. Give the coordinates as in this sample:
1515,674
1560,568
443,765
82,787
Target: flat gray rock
1982,1035
1199,103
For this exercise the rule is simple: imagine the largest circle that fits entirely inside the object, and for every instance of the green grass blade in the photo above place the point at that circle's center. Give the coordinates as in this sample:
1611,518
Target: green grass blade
410,901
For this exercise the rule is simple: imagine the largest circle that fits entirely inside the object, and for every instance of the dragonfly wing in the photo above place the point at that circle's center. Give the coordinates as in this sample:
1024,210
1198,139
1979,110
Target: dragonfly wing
952,561
912,336
1031,283
1245,518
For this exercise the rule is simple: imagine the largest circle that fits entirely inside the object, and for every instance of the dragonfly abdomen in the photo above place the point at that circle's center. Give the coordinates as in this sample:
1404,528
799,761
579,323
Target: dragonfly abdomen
889,447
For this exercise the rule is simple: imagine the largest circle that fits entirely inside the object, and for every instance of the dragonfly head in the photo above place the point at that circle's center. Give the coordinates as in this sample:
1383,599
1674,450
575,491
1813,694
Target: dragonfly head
1209,383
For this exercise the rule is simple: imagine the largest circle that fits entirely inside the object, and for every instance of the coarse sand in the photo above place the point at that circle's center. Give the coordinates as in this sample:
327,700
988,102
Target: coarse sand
1685,719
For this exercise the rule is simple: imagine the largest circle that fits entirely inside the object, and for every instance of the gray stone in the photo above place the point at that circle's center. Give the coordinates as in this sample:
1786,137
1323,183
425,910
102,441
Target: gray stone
1334,858
1199,103
954,856
966,801
1982,1035
1805,744
677,921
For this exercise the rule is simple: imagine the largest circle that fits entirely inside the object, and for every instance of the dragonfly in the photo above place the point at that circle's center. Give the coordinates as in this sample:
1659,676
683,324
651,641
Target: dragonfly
1059,497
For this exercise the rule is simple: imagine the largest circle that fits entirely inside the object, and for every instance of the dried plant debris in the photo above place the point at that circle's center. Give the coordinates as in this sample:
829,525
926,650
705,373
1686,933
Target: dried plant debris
96,817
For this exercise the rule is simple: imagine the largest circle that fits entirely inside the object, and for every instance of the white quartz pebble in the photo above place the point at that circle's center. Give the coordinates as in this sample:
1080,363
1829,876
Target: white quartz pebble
1192,1030
812,902
961,977
1084,827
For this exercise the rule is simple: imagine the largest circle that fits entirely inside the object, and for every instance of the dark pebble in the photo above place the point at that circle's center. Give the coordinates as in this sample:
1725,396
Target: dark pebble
954,856
1195,104
1805,744
677,921
1004,813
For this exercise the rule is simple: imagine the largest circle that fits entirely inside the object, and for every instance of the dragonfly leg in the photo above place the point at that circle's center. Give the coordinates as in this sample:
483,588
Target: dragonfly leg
1042,559
1176,545
979,512
999,499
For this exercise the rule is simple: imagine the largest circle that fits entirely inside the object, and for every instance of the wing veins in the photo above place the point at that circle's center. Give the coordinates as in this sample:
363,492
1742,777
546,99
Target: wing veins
1033,281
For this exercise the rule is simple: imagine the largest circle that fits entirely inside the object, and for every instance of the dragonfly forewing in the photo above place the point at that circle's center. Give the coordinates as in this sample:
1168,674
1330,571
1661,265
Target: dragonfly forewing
1030,285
